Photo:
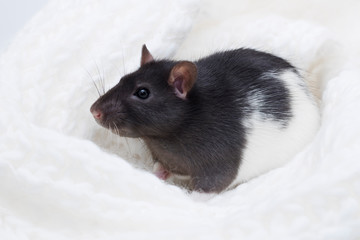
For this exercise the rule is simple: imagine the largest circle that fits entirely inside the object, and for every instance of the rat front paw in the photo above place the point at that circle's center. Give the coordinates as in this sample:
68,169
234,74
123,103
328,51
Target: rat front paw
160,171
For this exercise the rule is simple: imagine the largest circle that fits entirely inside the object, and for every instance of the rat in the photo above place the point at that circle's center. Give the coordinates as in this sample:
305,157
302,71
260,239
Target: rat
213,123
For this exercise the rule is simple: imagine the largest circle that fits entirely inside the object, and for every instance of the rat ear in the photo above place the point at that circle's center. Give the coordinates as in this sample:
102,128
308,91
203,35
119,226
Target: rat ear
146,56
182,78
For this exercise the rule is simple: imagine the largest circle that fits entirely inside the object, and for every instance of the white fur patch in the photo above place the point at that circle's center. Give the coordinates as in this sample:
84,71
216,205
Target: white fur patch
269,144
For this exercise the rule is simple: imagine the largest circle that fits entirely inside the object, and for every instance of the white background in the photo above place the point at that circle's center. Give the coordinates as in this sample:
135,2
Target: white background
13,16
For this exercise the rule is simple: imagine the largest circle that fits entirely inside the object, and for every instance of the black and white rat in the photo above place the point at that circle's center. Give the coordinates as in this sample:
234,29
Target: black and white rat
216,122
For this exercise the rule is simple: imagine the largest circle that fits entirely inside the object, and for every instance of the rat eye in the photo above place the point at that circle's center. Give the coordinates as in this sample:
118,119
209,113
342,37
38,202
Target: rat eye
142,93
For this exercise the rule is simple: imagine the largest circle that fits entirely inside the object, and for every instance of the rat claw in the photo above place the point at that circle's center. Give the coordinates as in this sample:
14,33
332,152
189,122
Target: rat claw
160,171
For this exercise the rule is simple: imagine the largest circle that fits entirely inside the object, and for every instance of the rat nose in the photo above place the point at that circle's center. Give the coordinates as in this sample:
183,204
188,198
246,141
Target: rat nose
97,114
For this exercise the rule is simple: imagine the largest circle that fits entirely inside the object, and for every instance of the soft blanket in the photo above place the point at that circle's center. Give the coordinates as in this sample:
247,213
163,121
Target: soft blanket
64,177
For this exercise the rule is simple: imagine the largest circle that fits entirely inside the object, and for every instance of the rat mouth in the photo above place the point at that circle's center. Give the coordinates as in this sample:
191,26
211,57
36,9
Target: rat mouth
116,122
115,128
119,130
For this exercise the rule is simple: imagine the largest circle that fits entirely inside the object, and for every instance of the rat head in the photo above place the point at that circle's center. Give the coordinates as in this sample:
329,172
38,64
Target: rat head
152,101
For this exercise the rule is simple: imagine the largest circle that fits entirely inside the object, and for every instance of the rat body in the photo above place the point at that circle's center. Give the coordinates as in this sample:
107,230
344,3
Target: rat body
199,119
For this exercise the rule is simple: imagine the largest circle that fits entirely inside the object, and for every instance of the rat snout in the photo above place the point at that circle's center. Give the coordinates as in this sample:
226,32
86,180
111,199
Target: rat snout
96,113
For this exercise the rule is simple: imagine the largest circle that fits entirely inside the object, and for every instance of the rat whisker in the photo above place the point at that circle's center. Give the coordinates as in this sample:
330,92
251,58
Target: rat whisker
117,131
109,135
103,80
101,77
123,60
92,79
117,101
97,89
128,145
118,71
